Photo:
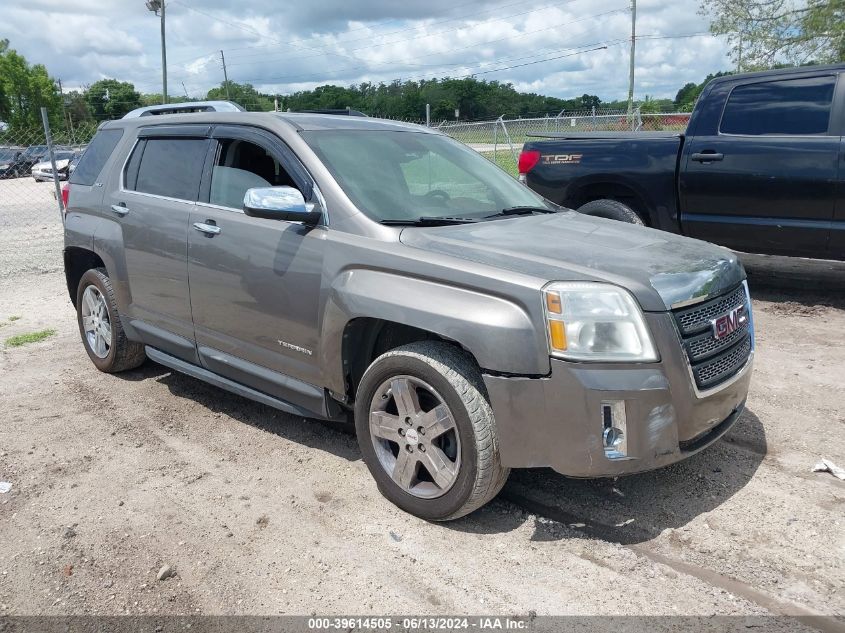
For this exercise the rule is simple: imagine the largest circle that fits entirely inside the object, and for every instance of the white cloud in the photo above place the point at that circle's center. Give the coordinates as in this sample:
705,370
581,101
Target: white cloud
284,47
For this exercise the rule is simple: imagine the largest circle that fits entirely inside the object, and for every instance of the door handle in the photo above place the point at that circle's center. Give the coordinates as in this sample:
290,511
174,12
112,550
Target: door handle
120,209
706,157
209,229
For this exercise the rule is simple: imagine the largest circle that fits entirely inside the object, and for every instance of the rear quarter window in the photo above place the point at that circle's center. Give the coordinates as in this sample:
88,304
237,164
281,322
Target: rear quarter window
94,159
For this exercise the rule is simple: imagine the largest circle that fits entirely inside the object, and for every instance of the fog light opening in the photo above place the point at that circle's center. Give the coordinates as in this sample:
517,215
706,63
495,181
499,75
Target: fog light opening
614,429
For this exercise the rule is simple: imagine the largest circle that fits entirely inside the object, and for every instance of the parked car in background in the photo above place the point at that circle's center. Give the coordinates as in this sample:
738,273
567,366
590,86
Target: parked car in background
8,161
384,274
29,157
759,168
43,171
73,163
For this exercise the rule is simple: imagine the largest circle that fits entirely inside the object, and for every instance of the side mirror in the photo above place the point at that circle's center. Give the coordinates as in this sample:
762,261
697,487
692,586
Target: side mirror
280,203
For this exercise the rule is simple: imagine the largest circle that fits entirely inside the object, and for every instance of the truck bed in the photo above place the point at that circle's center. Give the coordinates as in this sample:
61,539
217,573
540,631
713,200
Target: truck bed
580,136
637,168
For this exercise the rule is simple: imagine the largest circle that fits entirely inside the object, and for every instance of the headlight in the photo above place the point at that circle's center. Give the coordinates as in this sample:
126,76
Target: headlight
4,166
596,322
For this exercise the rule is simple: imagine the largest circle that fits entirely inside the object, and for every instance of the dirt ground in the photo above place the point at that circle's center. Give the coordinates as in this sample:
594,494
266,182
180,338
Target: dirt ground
263,513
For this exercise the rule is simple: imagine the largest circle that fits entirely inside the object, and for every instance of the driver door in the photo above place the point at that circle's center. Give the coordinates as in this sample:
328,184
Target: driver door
255,282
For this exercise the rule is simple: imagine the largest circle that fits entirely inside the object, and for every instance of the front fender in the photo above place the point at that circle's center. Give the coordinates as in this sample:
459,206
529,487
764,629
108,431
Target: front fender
498,333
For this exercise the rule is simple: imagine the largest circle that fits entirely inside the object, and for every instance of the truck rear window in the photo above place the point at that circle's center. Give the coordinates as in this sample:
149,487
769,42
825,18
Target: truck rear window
788,107
95,157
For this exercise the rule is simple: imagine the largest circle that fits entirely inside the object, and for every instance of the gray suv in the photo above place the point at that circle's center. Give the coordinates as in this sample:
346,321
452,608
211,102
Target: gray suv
354,269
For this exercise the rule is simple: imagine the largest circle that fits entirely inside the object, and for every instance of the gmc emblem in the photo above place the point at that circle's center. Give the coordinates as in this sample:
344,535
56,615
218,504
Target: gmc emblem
729,323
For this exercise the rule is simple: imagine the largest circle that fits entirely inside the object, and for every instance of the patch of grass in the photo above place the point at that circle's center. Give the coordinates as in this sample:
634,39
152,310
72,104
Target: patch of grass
14,318
31,337
505,160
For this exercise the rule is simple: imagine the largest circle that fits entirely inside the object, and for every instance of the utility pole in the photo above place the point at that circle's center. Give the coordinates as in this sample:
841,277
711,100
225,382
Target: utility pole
157,7
186,90
225,76
164,58
633,49
739,56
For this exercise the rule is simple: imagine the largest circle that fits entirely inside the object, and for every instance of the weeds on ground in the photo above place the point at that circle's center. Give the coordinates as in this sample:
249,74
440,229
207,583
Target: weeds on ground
31,337
14,318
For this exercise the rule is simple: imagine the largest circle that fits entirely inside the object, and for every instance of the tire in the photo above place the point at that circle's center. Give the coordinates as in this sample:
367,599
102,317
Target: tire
612,210
111,351
439,375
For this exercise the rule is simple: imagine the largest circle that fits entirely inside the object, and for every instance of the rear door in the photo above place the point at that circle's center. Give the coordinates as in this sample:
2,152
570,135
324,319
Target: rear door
157,193
765,180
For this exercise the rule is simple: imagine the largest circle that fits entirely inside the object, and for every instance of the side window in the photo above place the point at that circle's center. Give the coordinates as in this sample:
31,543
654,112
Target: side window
130,175
95,157
788,107
169,167
241,165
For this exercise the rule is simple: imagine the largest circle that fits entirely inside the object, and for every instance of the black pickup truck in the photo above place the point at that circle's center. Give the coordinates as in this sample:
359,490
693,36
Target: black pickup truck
760,168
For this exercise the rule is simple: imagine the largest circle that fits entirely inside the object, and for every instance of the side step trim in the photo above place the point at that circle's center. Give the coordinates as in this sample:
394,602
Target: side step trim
229,385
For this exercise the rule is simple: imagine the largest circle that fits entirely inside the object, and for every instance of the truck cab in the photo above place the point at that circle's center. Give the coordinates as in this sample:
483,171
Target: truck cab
760,168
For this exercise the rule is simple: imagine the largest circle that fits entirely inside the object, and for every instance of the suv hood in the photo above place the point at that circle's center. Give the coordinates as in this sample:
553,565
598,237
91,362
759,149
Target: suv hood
662,270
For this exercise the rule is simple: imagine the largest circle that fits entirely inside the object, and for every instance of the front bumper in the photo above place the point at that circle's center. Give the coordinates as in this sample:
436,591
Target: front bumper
557,421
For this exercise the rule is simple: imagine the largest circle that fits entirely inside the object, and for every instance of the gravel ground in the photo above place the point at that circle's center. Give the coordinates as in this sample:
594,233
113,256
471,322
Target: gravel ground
257,512
30,227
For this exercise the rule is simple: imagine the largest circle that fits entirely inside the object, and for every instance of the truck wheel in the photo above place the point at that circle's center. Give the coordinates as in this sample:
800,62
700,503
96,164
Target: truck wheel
100,325
426,431
612,210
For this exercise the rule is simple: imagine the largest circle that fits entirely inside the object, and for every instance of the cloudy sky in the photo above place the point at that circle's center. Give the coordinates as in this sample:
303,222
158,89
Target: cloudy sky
280,47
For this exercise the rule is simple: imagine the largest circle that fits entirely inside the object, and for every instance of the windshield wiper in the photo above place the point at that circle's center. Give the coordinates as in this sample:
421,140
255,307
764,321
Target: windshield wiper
527,210
429,220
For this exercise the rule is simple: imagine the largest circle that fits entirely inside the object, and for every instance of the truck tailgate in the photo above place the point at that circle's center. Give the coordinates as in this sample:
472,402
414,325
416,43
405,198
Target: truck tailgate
574,168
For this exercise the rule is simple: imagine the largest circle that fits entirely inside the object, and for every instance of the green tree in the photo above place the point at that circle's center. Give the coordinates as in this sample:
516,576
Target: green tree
24,90
689,93
763,32
111,99
77,108
244,95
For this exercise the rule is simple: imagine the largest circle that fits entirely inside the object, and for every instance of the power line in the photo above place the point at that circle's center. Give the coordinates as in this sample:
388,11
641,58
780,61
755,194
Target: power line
470,46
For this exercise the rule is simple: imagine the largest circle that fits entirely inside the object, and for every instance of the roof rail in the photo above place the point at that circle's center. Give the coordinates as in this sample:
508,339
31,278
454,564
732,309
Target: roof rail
181,108
336,111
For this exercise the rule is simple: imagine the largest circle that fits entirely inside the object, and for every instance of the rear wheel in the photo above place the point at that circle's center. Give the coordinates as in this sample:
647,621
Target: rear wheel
612,210
101,327
426,431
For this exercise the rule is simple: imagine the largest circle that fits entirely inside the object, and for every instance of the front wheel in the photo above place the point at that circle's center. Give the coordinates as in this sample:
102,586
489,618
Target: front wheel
427,433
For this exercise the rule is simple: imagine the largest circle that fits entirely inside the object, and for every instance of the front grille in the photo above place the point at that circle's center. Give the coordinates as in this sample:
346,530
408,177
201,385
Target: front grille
713,360
698,317
703,346
712,372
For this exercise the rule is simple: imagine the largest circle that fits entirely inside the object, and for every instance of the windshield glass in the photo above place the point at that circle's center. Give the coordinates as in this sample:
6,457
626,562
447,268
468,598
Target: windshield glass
394,175
34,150
7,155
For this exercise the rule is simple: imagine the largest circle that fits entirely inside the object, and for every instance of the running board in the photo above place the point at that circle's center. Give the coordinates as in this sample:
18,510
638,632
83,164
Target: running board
229,385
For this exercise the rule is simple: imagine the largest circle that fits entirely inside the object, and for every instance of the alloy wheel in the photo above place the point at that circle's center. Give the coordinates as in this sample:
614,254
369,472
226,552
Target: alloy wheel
415,436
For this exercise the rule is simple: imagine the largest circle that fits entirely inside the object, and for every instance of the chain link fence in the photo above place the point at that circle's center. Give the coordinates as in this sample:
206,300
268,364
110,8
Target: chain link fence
30,221
501,140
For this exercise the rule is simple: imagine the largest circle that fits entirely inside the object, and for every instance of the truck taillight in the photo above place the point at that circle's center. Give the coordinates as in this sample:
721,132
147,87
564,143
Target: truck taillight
528,159
65,195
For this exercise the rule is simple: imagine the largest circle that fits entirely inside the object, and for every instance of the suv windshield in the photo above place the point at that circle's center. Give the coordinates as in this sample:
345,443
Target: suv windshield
397,175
